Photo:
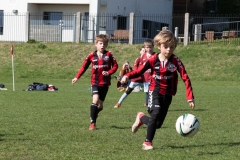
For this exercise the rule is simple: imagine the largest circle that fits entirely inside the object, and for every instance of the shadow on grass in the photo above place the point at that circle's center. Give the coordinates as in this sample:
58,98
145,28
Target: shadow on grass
118,127
130,127
229,144
18,134
196,110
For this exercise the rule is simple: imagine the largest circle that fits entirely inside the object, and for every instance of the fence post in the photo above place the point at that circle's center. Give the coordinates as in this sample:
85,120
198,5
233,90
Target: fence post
186,29
197,32
176,32
78,27
131,26
27,27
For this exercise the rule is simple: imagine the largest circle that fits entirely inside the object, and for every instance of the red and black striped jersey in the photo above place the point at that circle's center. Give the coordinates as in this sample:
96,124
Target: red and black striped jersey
148,73
106,63
165,77
135,67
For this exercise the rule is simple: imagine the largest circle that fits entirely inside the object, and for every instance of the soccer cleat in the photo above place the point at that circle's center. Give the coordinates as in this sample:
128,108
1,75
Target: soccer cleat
147,145
137,122
117,105
92,126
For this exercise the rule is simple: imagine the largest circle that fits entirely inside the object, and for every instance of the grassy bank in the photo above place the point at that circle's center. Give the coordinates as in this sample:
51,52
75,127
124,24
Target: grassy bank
62,60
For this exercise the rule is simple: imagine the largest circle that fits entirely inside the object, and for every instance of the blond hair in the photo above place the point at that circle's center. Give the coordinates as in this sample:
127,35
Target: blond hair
165,37
102,37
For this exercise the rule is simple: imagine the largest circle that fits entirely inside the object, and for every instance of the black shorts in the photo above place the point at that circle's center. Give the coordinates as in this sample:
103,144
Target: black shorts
158,101
100,90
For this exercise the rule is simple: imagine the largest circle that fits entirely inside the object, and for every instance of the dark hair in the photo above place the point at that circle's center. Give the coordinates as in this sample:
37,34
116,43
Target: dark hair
148,42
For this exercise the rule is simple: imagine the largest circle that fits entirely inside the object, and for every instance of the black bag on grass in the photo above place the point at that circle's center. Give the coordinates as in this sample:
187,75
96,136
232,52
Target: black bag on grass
2,86
36,86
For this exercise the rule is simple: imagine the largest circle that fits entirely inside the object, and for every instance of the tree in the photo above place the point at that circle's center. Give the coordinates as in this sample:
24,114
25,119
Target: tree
222,6
227,7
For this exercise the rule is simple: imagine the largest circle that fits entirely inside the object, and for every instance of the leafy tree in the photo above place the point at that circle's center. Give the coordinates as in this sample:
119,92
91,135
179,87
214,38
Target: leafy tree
222,6
227,7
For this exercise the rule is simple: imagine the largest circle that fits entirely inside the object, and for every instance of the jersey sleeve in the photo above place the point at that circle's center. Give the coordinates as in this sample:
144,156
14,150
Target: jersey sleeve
186,80
136,63
114,65
84,67
139,71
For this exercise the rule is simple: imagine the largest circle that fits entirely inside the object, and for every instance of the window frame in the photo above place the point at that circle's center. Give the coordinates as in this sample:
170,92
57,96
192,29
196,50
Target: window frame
121,22
1,21
52,18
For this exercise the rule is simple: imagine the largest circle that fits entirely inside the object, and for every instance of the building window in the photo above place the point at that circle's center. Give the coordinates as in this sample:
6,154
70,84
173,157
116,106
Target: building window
151,28
121,22
52,18
1,22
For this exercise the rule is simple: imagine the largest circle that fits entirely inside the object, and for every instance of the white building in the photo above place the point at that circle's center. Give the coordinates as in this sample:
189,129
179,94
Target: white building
20,19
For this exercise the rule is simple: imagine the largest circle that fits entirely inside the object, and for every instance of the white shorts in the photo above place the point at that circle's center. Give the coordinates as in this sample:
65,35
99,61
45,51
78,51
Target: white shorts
146,86
133,84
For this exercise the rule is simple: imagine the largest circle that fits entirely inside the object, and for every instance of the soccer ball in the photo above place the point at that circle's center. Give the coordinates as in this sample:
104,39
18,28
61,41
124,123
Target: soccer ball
187,125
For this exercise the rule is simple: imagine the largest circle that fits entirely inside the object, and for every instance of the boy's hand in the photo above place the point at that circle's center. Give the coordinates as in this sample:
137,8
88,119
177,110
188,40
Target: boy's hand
191,104
105,73
74,80
124,79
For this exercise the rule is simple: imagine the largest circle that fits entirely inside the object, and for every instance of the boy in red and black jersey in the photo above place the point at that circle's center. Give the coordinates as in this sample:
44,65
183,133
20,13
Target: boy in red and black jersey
103,66
163,85
134,82
148,46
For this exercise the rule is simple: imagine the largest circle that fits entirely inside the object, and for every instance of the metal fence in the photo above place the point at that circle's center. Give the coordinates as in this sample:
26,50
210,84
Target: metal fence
81,27
214,28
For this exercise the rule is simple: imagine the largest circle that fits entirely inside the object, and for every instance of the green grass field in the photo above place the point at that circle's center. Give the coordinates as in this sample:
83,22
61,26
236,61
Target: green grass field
54,125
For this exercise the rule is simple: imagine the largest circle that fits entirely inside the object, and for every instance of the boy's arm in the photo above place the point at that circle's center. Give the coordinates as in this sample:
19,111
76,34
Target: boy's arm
186,80
136,73
84,67
191,104
114,66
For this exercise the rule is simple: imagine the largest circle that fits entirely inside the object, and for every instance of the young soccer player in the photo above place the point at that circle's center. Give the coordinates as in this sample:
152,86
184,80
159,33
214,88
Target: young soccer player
148,46
103,66
134,82
125,69
163,85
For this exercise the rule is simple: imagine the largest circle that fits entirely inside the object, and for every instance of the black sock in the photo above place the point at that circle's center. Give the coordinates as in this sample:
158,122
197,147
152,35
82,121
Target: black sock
100,109
144,119
93,112
151,129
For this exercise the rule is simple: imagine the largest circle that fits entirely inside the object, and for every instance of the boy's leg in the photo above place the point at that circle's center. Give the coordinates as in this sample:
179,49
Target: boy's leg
158,109
141,119
125,94
145,89
102,95
99,94
153,110
94,107
93,113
